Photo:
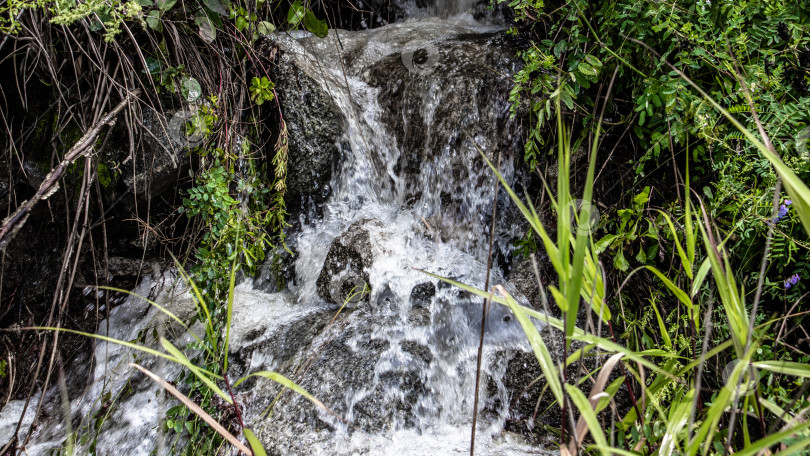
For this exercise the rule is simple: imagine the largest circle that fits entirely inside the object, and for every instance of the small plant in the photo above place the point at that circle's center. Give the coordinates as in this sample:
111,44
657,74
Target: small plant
261,90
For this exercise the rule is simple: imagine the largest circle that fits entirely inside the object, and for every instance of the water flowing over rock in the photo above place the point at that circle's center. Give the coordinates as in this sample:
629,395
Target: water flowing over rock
387,127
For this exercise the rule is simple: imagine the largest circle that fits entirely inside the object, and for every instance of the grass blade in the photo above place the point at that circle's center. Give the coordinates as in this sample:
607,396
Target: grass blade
196,409
255,445
180,358
538,346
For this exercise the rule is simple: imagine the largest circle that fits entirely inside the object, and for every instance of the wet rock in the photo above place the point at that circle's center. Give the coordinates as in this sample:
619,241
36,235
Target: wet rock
433,102
522,276
344,271
380,409
314,125
418,351
422,294
420,299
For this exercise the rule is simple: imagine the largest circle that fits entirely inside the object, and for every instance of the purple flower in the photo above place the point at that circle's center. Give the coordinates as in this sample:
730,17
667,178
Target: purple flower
792,280
783,211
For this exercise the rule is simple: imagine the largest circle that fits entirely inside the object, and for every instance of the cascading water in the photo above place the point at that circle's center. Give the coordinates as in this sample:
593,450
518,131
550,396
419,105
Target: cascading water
410,192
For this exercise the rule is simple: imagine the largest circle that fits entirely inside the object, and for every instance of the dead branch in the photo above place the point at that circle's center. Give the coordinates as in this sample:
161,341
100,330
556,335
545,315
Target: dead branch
13,223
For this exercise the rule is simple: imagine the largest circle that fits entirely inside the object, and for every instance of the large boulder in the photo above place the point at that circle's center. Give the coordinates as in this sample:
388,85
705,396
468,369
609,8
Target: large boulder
314,127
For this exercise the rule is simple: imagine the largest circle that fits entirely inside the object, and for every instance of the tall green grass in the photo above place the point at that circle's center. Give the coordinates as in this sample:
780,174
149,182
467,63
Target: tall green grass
685,423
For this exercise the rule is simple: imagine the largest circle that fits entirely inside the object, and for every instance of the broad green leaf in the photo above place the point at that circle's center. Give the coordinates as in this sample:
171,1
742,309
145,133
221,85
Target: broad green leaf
315,25
208,31
566,98
586,68
265,28
296,13
216,6
190,89
165,5
153,21
619,262
602,244
241,23
595,62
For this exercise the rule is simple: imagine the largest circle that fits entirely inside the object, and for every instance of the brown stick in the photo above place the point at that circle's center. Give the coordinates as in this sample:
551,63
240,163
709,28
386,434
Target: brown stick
13,223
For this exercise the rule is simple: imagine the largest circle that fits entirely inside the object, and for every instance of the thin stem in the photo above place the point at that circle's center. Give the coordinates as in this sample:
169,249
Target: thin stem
484,309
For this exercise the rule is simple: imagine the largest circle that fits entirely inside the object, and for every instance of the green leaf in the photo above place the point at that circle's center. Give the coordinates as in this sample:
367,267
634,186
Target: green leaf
241,23
215,6
596,63
680,294
296,13
619,262
662,328
586,69
602,244
587,414
286,382
191,90
785,367
153,65
566,98
700,276
265,28
315,25
165,5
541,352
153,21
181,358
208,32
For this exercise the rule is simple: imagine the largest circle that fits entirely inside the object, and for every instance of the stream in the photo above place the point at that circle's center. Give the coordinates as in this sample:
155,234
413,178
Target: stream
402,189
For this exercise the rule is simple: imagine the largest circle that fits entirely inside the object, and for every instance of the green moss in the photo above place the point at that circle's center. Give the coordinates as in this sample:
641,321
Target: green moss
105,175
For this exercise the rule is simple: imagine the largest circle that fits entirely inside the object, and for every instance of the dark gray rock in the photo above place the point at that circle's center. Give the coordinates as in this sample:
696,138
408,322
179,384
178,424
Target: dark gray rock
314,125
522,276
344,270
422,294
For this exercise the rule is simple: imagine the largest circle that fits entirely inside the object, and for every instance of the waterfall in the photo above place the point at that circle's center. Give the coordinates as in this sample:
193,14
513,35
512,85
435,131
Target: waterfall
409,191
